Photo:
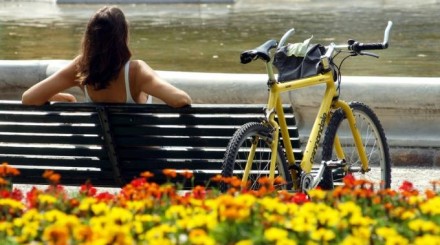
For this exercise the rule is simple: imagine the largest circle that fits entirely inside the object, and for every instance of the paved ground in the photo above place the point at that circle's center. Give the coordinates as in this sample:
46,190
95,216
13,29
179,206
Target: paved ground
420,177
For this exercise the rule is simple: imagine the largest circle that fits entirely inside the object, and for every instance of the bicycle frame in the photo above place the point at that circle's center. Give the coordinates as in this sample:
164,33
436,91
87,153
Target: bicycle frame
330,102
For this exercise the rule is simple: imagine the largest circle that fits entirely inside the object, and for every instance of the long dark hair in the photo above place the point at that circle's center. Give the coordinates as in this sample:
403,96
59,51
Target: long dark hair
104,48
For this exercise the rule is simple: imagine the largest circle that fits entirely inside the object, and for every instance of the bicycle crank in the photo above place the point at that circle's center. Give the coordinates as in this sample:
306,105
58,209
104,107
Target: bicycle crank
306,182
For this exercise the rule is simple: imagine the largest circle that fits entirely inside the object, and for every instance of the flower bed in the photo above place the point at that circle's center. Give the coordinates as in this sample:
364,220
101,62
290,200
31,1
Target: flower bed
144,212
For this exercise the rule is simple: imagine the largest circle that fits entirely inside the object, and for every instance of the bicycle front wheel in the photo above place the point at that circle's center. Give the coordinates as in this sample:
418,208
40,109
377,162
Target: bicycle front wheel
373,140
237,153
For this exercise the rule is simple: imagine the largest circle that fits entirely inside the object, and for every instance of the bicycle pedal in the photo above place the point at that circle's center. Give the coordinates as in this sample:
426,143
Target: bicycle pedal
334,163
358,170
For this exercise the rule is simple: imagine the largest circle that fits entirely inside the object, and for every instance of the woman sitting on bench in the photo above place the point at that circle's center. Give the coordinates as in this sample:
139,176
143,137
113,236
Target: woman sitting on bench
104,70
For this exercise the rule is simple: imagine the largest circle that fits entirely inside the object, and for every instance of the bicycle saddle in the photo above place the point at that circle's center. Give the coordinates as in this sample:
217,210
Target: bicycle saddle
260,52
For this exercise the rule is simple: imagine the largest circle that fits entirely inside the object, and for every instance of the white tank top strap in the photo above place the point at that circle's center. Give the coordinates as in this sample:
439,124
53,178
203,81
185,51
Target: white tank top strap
86,94
127,84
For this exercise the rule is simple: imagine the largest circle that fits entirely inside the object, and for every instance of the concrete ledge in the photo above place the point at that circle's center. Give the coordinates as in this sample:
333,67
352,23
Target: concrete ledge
140,1
408,107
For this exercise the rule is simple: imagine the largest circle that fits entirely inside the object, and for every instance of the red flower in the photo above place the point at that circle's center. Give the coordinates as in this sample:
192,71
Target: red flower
105,197
138,182
300,198
31,197
199,192
349,180
407,186
87,189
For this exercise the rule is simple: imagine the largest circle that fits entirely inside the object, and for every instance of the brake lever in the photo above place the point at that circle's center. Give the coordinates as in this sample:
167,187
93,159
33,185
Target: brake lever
369,54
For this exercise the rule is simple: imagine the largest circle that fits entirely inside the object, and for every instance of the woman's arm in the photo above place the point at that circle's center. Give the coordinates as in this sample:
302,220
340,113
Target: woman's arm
65,97
153,85
50,89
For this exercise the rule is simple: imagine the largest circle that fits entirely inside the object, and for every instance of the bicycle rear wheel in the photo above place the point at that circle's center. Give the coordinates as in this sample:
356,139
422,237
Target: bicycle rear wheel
373,139
237,152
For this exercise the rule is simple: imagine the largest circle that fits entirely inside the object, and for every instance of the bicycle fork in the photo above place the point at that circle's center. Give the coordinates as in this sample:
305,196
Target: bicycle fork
355,133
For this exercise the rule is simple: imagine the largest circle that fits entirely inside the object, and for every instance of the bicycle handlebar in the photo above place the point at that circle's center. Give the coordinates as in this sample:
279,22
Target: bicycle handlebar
358,47
262,51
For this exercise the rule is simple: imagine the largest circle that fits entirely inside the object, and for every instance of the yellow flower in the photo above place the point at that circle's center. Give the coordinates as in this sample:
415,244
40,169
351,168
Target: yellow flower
273,234
54,215
83,233
354,240
244,242
32,215
420,225
359,220
120,215
415,199
29,232
363,232
176,212
396,240
322,234
285,242
317,194
385,232
148,218
199,236
6,228
431,207
46,199
159,232
136,206
100,208
247,200
86,204
304,223
349,208
427,240
408,214
273,205
56,234
329,217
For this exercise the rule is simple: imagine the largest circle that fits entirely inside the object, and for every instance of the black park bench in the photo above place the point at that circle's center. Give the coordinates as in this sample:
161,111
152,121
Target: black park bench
110,144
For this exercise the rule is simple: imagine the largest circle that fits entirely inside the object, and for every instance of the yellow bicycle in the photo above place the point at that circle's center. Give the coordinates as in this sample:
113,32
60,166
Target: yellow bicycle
354,141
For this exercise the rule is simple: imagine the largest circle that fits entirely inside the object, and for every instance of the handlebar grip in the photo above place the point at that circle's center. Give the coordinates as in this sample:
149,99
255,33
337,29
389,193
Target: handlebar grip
247,56
367,46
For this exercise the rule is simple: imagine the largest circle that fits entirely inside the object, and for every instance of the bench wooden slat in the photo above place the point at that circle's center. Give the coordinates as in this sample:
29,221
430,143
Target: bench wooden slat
50,129
44,117
52,151
102,164
53,139
107,143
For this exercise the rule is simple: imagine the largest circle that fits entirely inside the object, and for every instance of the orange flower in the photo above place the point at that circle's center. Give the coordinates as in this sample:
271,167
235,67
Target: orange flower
3,181
51,176
147,174
279,181
6,170
217,178
187,174
171,173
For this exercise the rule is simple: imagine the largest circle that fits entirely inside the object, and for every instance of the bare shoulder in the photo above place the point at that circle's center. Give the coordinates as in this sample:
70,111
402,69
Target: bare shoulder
141,70
139,65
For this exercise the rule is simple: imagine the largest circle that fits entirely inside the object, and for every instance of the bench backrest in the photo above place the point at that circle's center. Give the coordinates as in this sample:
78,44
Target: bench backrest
109,144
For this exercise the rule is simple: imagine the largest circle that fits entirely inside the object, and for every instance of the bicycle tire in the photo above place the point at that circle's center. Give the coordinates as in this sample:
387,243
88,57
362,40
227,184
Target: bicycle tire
374,140
236,154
